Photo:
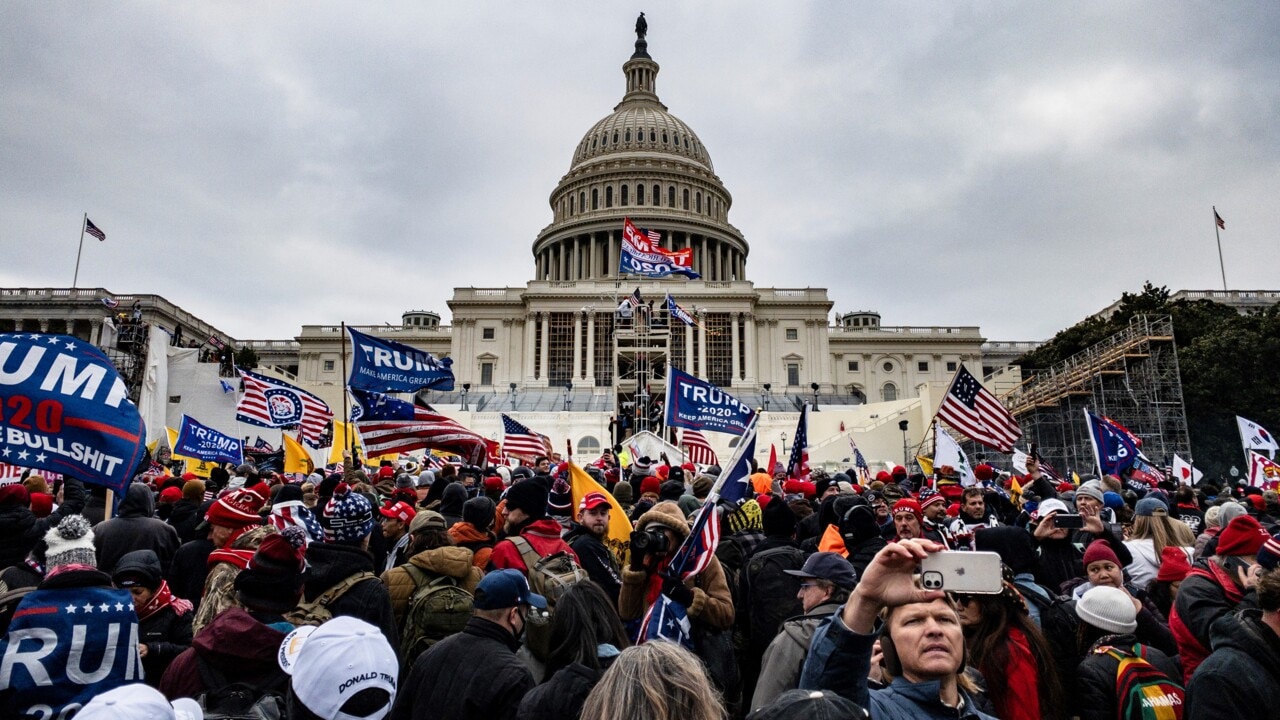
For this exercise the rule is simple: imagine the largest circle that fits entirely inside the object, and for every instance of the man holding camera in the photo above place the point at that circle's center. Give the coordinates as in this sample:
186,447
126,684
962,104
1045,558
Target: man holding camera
659,533
921,639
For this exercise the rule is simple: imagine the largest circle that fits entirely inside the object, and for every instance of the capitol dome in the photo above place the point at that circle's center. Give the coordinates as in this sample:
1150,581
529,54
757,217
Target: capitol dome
643,163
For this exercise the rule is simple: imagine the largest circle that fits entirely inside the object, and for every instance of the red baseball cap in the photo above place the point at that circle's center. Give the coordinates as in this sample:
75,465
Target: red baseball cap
592,500
401,511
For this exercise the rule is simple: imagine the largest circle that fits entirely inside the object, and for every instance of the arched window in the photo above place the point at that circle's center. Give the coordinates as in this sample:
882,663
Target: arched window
571,206
627,136
664,137
671,196
588,445
615,137
699,206
582,201
595,199
640,194
686,199
608,196
657,195
889,392
653,137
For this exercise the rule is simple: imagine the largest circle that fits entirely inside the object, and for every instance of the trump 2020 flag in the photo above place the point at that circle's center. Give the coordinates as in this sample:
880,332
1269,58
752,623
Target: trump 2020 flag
389,366
64,647
66,410
695,404
1112,447
203,442
639,256
1255,437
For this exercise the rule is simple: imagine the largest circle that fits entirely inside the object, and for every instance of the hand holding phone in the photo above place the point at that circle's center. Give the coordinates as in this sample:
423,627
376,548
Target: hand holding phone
976,573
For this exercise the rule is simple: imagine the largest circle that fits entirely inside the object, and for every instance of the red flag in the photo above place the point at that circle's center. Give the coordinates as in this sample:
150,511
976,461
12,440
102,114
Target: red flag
773,460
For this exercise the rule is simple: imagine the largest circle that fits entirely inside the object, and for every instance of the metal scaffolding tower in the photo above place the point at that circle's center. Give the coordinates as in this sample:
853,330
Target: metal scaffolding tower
641,347
1131,377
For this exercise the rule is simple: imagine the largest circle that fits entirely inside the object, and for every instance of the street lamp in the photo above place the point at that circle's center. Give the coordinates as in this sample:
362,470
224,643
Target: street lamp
815,395
466,387
513,396
767,388
906,448
784,443
568,400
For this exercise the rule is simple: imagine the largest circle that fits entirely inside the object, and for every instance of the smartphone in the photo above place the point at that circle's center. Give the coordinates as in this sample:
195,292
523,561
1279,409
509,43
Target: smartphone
1068,521
976,573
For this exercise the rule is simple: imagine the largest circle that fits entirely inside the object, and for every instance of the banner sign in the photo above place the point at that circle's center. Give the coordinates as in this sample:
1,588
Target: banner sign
640,256
1112,447
205,443
64,408
66,646
389,366
698,405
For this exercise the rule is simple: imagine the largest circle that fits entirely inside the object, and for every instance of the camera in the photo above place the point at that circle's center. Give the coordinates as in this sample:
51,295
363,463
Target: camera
649,542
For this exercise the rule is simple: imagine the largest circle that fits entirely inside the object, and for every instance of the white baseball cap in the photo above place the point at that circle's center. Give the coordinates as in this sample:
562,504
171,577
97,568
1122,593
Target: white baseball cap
139,702
331,663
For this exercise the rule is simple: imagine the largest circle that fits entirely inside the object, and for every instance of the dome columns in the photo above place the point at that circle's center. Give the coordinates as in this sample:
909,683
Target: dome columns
594,256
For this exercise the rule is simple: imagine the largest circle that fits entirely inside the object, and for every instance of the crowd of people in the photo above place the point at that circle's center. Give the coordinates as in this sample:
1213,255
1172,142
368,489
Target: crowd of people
412,593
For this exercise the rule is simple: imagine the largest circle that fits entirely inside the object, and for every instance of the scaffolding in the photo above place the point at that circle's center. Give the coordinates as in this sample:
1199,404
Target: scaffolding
1131,377
129,354
641,349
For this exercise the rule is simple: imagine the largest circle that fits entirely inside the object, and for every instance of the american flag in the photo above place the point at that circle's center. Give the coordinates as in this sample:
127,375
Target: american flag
971,409
697,449
262,445
390,425
798,464
654,236
634,299
1218,219
93,230
700,547
860,462
521,442
268,402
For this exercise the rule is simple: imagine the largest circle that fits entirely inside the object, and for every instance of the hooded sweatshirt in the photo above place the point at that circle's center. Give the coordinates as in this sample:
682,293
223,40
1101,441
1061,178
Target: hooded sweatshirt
135,527
451,503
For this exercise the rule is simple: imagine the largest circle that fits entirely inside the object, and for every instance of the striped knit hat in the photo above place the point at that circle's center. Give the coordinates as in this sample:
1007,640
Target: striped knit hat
348,517
236,509
1269,554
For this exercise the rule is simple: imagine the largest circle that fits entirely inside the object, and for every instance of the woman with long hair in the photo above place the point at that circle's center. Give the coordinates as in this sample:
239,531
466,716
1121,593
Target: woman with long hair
654,681
586,638
1153,530
1011,653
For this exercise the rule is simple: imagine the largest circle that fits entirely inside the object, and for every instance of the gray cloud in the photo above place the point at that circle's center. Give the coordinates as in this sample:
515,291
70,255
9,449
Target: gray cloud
1009,165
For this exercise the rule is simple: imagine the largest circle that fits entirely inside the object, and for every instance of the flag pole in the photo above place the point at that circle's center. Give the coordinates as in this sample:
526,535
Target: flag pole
1216,234
76,278
346,413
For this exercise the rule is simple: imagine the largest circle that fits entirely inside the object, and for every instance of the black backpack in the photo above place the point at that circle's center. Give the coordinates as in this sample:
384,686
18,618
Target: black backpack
224,700
770,593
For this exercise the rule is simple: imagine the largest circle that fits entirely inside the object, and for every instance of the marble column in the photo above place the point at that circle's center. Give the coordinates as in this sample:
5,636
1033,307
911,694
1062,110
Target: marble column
613,255
591,350
542,350
750,370
702,346
591,254
577,345
530,330
688,348
734,319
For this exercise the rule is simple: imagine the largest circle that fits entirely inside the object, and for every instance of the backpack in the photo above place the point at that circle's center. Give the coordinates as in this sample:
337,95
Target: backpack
222,700
549,577
438,608
317,611
1058,624
1144,691
770,593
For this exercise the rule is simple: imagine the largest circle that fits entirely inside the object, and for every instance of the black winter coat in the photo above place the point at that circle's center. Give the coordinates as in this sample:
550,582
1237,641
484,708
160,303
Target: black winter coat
185,517
1241,678
561,697
166,634
20,529
473,675
189,569
329,564
1063,560
135,528
597,560
1095,691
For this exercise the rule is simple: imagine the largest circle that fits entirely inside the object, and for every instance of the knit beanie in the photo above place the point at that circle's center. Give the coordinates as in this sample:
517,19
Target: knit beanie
779,520
1112,500
670,490
348,516
404,481
14,494
1211,516
560,500
908,505
70,543
529,496
702,486
747,516
929,496
1230,511
1092,489
1243,536
193,491
236,509
623,493
479,512
41,505
1108,609
138,568
1100,550
641,466
650,486
809,705
272,581
1268,554
1174,565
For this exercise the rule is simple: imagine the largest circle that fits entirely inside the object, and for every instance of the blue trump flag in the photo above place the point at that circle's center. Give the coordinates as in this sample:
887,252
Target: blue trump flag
370,406
388,366
698,405
1113,448
200,441
64,647
67,411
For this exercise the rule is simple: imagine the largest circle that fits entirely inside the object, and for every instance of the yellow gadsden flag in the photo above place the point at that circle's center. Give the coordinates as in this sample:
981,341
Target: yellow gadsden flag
618,538
340,433
926,464
198,467
296,457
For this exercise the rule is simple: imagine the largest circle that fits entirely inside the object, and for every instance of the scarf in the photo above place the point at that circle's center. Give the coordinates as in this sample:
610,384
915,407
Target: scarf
654,588
162,599
239,558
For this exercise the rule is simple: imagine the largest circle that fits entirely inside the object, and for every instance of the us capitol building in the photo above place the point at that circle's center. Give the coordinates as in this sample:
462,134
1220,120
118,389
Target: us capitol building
556,345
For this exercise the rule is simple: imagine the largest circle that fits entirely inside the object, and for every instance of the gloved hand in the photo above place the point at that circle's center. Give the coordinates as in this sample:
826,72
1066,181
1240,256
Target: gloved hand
675,589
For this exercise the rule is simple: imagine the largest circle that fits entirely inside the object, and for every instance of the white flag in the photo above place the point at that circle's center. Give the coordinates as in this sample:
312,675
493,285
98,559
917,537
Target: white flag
1255,437
1185,471
948,452
1262,471
1019,461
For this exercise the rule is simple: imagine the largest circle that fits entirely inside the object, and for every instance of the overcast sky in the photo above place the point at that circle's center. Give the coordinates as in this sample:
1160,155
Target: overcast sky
1012,165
